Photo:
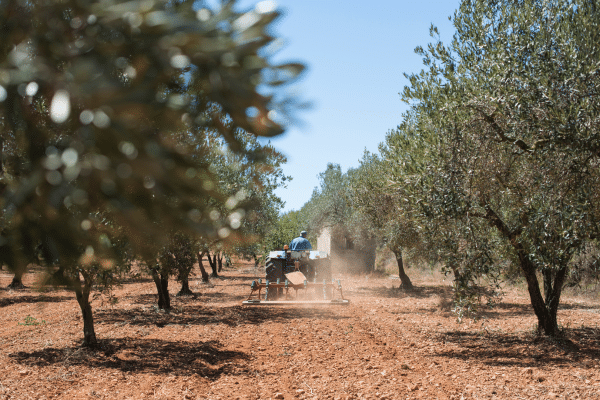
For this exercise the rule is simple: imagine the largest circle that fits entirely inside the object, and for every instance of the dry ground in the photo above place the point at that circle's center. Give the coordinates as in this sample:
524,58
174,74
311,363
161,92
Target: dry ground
387,344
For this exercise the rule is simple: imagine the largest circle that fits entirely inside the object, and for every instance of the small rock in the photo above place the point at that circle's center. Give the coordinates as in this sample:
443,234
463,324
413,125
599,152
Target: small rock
528,371
23,372
300,391
278,396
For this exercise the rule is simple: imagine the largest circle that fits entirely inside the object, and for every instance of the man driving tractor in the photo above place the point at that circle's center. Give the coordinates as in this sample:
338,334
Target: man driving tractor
301,242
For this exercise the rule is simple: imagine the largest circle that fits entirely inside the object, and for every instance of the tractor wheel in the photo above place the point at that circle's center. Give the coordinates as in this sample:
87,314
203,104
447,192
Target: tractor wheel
270,269
273,272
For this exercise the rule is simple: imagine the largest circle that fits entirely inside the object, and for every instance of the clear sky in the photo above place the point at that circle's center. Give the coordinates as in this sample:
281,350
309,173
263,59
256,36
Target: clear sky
356,53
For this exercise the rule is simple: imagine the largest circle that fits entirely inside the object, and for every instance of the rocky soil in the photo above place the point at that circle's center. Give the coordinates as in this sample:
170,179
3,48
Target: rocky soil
387,344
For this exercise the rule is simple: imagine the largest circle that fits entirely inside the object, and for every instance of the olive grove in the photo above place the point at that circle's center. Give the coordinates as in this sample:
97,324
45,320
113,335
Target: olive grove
498,154
105,109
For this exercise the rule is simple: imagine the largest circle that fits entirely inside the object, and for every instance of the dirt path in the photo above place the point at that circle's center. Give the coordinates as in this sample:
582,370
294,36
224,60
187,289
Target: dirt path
386,344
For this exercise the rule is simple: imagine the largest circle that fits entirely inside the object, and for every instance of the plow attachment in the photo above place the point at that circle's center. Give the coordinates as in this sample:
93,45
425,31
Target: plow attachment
278,293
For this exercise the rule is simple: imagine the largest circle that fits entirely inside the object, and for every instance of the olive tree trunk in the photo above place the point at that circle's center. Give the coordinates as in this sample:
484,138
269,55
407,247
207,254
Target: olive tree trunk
17,282
162,287
82,293
220,261
185,287
213,265
201,266
404,279
545,310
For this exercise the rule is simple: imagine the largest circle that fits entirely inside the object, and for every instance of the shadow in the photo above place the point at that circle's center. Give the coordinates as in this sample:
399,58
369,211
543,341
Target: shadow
5,301
200,315
503,310
151,299
239,284
496,348
399,292
154,356
148,298
247,278
137,279
582,307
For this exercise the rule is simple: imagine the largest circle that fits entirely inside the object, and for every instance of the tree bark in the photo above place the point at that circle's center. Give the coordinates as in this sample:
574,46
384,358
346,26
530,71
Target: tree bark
82,293
545,311
220,261
17,282
406,283
547,322
213,265
162,287
185,288
201,266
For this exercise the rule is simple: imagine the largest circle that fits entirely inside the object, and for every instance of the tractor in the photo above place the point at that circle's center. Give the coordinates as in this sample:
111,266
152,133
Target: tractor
306,270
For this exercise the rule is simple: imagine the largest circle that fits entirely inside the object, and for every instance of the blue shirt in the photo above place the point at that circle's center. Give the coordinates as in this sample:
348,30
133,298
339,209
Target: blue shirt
300,243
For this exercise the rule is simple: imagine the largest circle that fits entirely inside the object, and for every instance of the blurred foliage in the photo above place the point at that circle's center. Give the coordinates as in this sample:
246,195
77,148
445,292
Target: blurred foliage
113,117
251,176
110,107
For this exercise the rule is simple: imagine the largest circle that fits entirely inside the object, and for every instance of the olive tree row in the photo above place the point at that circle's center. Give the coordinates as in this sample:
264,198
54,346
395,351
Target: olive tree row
95,99
499,152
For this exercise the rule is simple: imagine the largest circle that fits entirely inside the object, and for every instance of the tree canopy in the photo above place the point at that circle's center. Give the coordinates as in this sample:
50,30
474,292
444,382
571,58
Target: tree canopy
99,101
111,117
499,150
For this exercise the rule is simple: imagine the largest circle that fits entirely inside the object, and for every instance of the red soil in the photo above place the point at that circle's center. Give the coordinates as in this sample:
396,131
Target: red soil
387,344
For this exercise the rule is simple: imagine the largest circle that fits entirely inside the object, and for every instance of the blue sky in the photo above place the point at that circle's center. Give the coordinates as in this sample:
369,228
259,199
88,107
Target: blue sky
356,53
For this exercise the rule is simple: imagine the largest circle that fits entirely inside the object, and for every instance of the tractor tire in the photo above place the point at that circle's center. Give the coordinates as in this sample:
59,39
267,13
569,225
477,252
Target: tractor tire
271,270
274,271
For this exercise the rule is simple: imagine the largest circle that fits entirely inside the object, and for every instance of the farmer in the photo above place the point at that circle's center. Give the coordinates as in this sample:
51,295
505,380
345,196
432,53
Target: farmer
301,242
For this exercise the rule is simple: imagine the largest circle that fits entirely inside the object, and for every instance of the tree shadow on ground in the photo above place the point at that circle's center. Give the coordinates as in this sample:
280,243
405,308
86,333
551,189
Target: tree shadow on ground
155,356
233,278
580,307
7,301
201,315
503,310
399,292
575,346
229,284
136,278
151,299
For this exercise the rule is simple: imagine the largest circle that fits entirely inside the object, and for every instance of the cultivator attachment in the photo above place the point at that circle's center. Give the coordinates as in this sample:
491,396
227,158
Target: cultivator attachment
278,293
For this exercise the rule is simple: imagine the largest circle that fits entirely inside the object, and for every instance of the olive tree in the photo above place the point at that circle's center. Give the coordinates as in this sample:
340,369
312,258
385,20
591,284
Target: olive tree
96,95
331,206
380,208
507,124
